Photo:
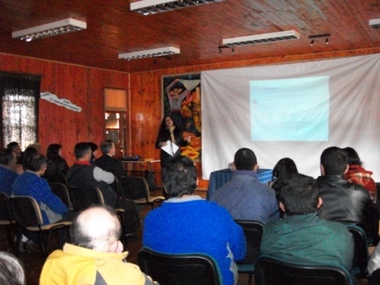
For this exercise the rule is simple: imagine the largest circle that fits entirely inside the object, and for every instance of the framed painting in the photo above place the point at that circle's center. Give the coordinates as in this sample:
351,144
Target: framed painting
181,99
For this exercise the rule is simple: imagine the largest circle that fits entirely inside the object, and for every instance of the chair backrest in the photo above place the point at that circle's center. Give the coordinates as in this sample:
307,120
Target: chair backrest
253,231
26,211
270,271
59,177
60,190
183,269
135,188
374,278
361,254
5,210
82,198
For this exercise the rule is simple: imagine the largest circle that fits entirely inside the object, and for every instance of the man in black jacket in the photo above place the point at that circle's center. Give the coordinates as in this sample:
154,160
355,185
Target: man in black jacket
107,162
342,200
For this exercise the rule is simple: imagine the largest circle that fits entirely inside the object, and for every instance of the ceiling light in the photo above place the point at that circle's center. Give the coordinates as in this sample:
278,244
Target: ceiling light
313,37
49,30
164,51
261,38
374,23
147,7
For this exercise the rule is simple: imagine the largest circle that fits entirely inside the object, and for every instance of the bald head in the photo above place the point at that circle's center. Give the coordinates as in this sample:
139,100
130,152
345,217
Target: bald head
96,228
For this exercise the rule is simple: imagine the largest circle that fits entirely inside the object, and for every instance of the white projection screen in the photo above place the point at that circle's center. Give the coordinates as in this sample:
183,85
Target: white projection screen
292,110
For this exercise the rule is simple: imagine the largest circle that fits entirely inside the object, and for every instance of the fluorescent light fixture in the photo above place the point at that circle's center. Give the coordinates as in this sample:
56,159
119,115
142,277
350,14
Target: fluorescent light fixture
164,51
261,38
374,23
49,30
147,7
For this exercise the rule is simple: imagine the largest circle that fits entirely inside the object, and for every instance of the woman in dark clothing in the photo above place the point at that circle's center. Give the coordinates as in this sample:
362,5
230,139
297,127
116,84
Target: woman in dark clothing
283,168
170,133
56,163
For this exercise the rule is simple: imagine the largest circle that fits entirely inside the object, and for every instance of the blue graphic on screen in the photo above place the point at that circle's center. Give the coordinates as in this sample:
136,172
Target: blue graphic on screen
290,109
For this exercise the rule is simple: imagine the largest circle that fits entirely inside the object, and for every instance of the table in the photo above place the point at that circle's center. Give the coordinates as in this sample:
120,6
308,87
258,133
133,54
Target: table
145,168
220,177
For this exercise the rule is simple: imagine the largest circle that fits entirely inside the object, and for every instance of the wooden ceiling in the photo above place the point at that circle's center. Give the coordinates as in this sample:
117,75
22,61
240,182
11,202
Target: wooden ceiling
197,31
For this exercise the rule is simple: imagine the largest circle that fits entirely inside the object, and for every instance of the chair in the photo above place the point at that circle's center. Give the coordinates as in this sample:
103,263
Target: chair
28,216
6,220
361,255
270,271
60,190
59,177
82,198
374,278
253,231
138,191
183,269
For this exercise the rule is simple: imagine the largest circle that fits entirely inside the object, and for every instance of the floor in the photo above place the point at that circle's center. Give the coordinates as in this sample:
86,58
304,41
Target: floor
33,262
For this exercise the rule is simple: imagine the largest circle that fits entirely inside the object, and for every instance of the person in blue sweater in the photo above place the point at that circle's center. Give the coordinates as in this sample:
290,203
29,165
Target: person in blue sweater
187,223
8,174
31,184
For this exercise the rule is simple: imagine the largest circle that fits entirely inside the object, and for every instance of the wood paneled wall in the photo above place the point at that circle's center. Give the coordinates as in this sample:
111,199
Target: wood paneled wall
84,86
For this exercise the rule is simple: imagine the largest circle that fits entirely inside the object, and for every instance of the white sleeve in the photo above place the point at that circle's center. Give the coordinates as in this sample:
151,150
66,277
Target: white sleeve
374,262
105,176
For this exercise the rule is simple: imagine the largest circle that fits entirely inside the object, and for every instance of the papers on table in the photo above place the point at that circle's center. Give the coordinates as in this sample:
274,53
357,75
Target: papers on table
170,147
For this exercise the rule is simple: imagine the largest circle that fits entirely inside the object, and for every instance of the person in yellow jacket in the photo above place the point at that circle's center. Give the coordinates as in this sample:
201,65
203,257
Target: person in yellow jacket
95,256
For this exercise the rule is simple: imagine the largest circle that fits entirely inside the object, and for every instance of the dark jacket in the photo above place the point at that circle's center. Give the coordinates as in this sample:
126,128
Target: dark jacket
56,165
163,136
111,164
343,200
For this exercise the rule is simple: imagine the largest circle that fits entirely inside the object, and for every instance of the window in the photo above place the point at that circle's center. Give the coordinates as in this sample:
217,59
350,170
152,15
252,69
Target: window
19,106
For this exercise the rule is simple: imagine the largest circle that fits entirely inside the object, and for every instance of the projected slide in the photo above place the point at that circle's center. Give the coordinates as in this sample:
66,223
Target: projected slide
290,109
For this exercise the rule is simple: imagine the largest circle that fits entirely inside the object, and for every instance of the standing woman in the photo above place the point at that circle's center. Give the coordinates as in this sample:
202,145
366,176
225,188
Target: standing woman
55,162
169,131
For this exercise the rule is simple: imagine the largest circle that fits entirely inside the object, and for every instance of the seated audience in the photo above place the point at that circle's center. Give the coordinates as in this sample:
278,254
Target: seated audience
342,200
36,146
94,152
15,147
357,174
187,223
244,196
84,175
28,152
56,163
107,162
11,271
31,184
95,255
302,236
283,168
8,174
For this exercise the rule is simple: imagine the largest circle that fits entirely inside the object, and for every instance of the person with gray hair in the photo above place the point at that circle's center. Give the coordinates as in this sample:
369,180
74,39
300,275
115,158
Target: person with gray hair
107,161
11,271
95,255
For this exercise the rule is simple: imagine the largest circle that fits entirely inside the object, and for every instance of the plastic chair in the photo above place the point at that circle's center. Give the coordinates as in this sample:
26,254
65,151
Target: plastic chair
361,254
183,269
270,271
59,177
138,191
253,231
6,220
28,216
60,190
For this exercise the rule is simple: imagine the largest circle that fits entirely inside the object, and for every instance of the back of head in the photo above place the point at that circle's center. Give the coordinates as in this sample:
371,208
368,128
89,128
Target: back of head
37,146
14,146
245,159
180,176
28,152
334,161
299,194
6,156
53,150
284,167
11,271
35,162
93,146
95,228
353,157
81,149
106,146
